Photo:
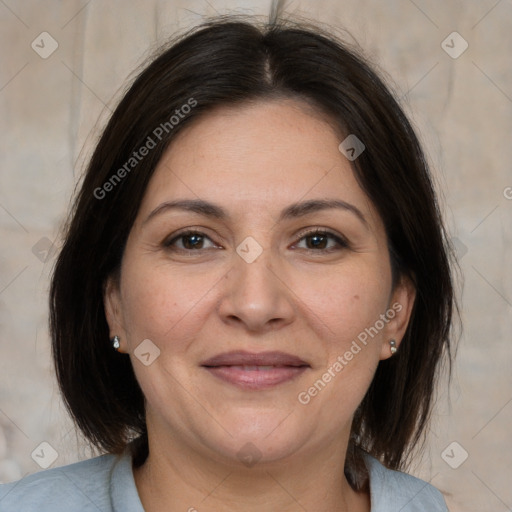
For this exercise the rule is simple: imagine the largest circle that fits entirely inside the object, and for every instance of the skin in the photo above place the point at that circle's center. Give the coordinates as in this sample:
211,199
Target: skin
194,303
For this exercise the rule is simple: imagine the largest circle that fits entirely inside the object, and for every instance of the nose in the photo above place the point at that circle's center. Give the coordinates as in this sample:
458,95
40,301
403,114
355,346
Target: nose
255,296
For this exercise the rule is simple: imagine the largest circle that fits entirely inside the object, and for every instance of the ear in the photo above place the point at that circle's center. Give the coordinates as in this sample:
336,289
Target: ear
113,311
399,313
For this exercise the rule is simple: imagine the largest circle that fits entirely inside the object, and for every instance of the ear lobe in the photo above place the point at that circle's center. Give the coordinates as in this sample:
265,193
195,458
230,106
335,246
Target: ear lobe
402,302
112,307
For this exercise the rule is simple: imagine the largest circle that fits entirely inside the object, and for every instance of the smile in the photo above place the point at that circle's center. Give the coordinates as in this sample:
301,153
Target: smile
256,377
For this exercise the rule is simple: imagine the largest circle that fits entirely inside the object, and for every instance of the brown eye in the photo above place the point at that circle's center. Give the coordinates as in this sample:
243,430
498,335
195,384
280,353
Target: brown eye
317,241
188,241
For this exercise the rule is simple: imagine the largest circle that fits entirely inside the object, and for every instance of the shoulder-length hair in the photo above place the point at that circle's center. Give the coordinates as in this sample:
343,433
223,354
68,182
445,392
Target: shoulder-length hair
228,61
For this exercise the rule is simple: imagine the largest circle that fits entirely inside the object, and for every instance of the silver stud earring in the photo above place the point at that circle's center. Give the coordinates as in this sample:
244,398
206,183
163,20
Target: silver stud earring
393,346
115,342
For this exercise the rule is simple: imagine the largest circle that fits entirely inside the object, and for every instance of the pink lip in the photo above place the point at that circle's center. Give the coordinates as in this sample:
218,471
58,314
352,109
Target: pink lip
252,370
244,358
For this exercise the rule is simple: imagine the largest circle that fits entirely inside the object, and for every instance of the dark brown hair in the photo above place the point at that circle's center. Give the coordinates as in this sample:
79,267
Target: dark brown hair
228,61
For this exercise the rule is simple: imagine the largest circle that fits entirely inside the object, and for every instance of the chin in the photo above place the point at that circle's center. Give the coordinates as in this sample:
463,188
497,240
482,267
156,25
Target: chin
257,438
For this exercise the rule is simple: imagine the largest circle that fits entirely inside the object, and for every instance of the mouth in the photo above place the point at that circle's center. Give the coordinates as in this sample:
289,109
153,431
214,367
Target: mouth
255,371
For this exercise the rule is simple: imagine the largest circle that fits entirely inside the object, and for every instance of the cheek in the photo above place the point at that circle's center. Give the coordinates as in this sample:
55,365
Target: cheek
163,304
346,301
345,313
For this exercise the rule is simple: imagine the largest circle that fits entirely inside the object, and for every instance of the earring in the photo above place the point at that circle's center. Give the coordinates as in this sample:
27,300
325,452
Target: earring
115,342
393,346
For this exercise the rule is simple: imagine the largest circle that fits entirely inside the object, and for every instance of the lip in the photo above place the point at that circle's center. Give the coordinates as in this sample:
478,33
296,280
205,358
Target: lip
244,358
249,370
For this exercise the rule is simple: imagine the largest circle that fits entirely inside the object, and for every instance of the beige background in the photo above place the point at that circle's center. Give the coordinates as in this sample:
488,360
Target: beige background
462,107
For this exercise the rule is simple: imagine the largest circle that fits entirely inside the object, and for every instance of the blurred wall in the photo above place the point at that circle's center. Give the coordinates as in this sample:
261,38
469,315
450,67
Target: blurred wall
63,63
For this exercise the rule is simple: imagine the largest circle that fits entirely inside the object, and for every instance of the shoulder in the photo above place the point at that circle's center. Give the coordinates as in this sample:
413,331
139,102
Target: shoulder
393,490
80,486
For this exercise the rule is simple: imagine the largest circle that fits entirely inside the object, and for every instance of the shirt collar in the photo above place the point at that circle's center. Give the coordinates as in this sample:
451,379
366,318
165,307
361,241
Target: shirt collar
125,497
123,491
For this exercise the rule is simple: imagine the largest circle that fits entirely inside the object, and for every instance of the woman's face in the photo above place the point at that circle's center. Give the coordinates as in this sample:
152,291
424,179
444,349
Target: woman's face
199,313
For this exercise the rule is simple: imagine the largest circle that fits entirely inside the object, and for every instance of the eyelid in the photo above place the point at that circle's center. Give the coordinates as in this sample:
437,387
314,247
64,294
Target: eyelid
186,231
338,238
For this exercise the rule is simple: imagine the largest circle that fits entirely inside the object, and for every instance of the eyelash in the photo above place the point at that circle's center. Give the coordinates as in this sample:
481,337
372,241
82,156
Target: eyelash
341,241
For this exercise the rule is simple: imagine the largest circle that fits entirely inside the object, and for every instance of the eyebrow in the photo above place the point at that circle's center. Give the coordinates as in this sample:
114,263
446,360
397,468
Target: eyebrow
292,211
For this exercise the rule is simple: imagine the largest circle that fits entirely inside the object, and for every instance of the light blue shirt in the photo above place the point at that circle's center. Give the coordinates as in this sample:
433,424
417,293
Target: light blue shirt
106,484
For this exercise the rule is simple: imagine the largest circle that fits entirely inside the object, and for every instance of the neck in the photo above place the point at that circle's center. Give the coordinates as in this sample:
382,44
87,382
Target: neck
181,478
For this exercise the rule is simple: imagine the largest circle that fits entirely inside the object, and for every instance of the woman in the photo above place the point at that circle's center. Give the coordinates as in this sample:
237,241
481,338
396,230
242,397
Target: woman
254,295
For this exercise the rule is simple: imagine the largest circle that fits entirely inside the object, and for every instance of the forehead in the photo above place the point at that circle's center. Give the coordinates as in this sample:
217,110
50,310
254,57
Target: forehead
267,154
